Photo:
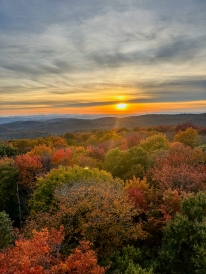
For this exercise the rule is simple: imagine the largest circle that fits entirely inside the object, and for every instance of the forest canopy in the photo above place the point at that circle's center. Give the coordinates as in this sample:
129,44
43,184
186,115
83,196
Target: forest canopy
105,201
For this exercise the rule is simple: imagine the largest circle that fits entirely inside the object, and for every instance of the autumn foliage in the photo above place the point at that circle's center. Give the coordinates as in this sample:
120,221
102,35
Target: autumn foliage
29,168
114,201
62,156
33,256
181,169
81,260
41,254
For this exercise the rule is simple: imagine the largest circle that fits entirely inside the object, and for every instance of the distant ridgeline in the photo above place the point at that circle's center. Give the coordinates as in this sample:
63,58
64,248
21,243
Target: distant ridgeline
57,126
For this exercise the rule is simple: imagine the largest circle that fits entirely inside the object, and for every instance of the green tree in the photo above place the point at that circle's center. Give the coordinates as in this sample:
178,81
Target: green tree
7,150
6,230
8,187
136,269
127,164
138,161
115,162
120,260
154,143
184,242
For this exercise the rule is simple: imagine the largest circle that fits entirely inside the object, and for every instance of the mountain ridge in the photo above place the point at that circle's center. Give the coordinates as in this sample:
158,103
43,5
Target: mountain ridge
58,126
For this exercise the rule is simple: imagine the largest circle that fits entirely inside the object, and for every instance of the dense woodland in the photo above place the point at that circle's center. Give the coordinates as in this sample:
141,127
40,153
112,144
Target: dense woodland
107,201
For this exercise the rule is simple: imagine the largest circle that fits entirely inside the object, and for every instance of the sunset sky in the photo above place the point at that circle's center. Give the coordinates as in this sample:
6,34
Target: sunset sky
86,56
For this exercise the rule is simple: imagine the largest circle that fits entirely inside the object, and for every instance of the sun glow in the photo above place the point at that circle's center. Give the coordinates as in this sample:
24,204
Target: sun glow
121,106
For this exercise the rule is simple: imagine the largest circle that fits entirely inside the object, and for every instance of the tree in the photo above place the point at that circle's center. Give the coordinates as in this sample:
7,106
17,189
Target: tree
136,269
188,137
60,143
6,230
154,143
41,255
127,164
100,212
130,141
24,145
96,153
45,153
43,197
137,160
8,187
181,169
81,260
62,156
71,138
121,259
110,135
33,256
88,162
29,168
184,242
95,210
182,178
115,162
7,150
185,126
154,208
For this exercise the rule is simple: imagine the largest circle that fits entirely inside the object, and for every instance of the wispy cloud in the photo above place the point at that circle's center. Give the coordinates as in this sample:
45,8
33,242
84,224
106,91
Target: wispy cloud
85,52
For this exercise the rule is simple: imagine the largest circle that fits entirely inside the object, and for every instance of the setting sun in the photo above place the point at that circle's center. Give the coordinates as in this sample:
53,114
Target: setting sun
121,106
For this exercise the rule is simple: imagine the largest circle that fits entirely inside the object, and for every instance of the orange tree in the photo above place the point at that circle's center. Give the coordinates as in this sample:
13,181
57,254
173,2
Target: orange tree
62,156
41,255
45,153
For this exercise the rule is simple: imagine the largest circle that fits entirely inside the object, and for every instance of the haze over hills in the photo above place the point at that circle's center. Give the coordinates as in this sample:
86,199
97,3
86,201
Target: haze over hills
32,128
10,119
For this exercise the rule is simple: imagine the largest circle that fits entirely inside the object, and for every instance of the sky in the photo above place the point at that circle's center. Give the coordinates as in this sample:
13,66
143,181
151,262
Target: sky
86,56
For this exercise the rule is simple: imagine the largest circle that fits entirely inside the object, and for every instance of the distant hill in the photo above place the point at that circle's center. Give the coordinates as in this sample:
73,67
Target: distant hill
10,119
58,126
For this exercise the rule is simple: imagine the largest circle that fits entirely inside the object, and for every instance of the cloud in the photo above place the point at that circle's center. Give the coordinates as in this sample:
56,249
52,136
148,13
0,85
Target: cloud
149,50
173,91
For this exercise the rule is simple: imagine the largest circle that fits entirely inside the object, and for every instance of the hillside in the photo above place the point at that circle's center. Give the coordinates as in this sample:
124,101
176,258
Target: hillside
42,128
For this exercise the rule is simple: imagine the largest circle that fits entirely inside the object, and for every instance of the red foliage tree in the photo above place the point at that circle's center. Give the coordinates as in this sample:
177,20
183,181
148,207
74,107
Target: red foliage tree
37,255
62,156
41,255
29,168
184,126
96,152
181,169
182,178
154,207
82,260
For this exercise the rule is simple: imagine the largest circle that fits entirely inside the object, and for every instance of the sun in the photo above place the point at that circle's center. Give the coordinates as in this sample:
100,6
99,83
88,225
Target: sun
121,106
